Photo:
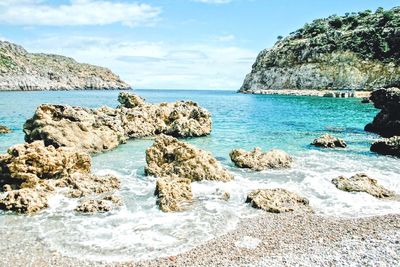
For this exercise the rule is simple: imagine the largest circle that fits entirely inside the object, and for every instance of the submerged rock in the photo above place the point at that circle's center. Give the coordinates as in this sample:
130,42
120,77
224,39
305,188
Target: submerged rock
258,161
169,157
328,141
4,130
388,146
26,200
387,122
362,183
173,193
97,130
277,200
94,206
84,184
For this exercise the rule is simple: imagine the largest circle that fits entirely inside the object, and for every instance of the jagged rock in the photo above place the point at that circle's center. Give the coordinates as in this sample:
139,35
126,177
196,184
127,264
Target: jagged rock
116,200
258,161
387,122
84,184
130,100
277,200
29,173
96,130
362,183
387,146
26,200
27,164
334,53
94,206
328,141
20,70
168,157
4,130
173,193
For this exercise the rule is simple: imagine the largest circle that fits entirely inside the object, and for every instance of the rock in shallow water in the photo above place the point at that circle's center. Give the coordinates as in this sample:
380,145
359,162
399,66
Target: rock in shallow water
277,200
96,130
388,146
170,157
94,206
328,141
30,173
4,130
387,122
362,183
173,193
258,161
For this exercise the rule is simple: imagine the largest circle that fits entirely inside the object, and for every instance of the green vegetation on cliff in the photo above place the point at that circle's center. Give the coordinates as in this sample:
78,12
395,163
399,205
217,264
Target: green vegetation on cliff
358,51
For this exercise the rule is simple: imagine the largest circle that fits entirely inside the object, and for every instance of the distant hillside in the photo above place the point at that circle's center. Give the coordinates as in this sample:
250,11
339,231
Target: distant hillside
359,51
20,70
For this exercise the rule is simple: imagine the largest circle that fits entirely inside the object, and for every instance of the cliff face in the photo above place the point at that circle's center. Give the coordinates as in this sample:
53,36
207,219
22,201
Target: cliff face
359,51
20,70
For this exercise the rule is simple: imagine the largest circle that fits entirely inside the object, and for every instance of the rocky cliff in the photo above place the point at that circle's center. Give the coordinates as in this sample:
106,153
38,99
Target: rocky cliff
20,70
359,51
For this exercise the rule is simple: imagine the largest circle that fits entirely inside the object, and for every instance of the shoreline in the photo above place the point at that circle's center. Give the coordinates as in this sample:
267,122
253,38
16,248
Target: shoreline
307,92
294,238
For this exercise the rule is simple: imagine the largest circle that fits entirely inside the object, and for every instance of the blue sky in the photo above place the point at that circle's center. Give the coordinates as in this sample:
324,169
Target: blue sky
181,44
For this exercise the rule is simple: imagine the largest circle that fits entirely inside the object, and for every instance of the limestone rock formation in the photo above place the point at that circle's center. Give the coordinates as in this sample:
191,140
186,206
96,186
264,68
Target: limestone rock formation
27,164
387,122
97,130
173,193
168,157
26,200
30,173
387,146
20,70
362,183
328,141
94,206
359,51
277,200
130,100
258,160
4,130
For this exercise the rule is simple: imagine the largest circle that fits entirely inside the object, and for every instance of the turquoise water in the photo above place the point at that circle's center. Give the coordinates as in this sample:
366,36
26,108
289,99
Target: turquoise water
140,230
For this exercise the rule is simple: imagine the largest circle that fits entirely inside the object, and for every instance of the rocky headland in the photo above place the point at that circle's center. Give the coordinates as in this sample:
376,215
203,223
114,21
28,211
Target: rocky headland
97,130
23,71
358,51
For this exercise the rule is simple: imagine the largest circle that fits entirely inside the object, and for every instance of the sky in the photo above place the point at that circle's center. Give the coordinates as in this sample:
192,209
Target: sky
166,44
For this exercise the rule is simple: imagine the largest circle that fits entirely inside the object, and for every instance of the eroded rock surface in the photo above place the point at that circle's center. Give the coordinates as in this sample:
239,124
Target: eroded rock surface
328,141
388,146
96,130
173,193
4,130
362,183
277,200
30,174
94,206
258,160
170,157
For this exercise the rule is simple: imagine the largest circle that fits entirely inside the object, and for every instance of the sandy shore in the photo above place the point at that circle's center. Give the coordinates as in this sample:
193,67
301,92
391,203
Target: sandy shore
270,239
303,92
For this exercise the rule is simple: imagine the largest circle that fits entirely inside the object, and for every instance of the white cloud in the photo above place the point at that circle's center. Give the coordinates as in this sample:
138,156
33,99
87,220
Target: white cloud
225,38
157,64
213,1
76,12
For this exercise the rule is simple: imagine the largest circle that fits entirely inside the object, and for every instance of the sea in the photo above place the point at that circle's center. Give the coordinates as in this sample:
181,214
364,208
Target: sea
139,230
